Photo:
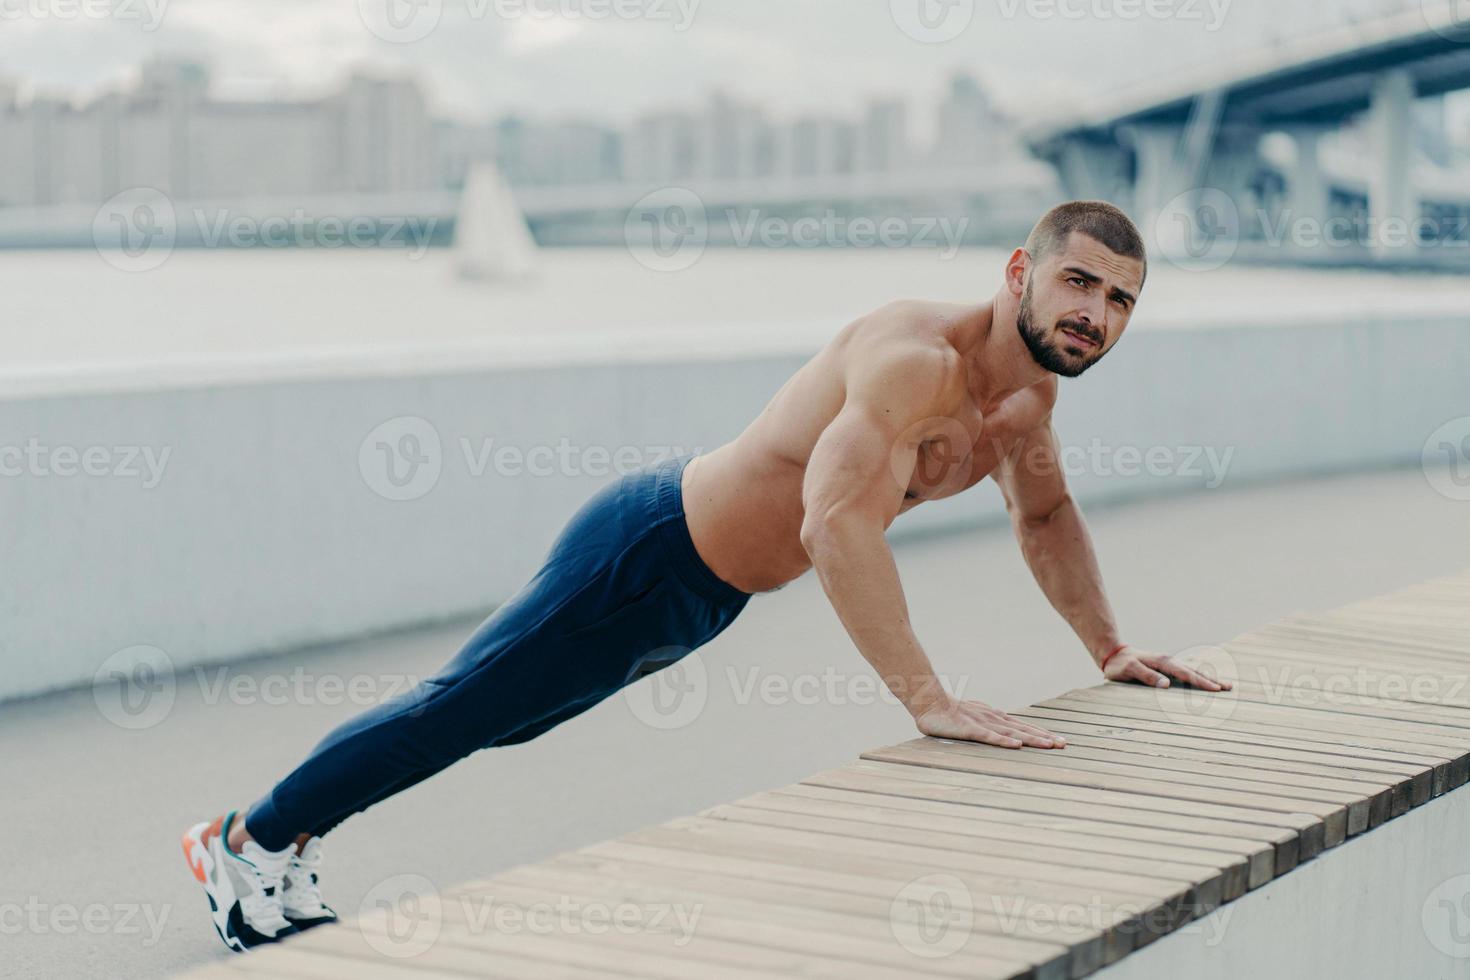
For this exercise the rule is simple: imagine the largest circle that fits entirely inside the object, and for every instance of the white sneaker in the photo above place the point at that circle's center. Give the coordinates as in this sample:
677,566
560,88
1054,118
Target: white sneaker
301,899
244,889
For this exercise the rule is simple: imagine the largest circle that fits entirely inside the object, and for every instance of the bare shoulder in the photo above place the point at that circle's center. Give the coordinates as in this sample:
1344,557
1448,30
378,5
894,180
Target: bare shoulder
898,356
921,319
907,337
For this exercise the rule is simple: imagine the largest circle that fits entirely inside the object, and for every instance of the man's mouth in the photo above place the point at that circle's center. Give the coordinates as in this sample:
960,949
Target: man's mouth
1083,340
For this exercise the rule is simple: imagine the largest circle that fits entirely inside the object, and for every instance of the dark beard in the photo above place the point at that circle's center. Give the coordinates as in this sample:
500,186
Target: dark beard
1044,350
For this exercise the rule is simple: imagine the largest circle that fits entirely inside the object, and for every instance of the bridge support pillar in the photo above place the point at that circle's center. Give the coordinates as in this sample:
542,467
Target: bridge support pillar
1307,194
1392,203
1155,177
1232,168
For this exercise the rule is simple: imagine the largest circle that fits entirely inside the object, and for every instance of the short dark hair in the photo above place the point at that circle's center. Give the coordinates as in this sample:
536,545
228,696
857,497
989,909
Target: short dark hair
1095,219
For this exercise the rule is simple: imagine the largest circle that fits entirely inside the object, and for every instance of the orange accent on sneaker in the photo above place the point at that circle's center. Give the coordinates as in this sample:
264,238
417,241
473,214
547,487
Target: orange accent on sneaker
195,857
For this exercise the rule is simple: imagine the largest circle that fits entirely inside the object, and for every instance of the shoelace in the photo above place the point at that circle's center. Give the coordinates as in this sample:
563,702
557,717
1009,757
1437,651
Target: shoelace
262,907
301,885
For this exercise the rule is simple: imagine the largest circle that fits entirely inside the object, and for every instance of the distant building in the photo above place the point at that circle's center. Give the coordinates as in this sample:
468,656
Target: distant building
166,132
822,145
971,131
885,138
570,152
662,147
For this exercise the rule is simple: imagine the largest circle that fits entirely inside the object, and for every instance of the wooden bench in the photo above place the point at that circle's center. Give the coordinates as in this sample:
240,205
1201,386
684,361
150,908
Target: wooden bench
950,859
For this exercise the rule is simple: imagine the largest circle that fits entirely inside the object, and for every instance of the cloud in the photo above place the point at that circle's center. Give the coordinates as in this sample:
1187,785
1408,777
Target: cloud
791,55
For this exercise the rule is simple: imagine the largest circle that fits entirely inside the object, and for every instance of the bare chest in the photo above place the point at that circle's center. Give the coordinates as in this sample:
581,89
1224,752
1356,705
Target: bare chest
960,452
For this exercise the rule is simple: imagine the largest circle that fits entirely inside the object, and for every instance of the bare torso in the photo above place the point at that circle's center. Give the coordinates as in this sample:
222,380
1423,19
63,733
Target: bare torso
743,500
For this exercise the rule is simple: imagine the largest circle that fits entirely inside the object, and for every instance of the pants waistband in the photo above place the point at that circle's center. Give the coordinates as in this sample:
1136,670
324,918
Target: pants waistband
673,529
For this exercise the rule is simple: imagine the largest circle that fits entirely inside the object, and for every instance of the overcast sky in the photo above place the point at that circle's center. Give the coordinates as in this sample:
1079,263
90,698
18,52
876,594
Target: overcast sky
484,57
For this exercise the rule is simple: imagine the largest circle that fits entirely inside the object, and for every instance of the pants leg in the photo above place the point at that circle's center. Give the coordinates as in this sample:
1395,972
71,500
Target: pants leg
607,600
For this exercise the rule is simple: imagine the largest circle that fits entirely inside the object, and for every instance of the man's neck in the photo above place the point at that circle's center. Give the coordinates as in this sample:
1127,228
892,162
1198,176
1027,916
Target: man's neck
998,361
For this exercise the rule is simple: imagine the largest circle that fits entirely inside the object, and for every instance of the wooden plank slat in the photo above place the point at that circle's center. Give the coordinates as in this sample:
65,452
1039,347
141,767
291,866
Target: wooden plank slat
1419,779
1351,654
1443,721
1029,797
1450,770
1064,847
1207,879
1305,815
831,936
835,912
1092,945
1109,827
1131,912
1386,796
1409,734
1329,675
746,943
633,954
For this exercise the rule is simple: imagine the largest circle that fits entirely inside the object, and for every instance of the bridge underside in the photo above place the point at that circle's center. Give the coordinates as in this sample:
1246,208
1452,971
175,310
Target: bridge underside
1196,159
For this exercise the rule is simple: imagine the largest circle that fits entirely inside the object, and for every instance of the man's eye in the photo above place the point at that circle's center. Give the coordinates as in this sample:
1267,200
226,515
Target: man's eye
1078,280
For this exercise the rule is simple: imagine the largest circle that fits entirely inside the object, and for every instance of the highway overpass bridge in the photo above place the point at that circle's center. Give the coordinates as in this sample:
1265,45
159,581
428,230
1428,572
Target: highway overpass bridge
1190,147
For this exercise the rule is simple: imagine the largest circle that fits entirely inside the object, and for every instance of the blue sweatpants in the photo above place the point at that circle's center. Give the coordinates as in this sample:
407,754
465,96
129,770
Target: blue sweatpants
622,593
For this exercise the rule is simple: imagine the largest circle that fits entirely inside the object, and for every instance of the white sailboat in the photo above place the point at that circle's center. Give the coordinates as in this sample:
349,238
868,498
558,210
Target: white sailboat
491,238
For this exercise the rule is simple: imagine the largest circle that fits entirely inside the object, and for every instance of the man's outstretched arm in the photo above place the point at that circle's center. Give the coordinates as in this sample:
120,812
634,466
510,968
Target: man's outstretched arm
853,489
1054,540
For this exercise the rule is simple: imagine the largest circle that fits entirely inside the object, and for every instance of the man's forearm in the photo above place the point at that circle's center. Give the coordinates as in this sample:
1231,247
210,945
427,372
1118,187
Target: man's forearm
857,571
1059,552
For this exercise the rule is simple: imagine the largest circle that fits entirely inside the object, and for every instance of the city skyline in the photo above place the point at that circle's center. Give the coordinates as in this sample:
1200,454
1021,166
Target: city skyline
376,132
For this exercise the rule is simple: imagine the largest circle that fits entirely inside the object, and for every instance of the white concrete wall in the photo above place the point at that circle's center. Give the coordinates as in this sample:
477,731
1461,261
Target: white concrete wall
1324,920
264,533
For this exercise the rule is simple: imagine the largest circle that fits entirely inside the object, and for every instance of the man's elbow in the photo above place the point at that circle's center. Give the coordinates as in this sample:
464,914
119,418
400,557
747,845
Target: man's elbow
824,533
817,533
1034,520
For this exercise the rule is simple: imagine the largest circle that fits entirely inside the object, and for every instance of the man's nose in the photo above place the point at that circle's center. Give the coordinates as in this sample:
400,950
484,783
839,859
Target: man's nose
1095,313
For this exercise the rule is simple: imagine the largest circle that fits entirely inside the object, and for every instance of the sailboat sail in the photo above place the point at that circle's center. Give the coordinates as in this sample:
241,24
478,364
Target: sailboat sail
491,237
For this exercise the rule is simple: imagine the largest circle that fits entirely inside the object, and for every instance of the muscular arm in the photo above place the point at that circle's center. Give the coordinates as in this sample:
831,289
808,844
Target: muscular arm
853,489
1054,539
1058,549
